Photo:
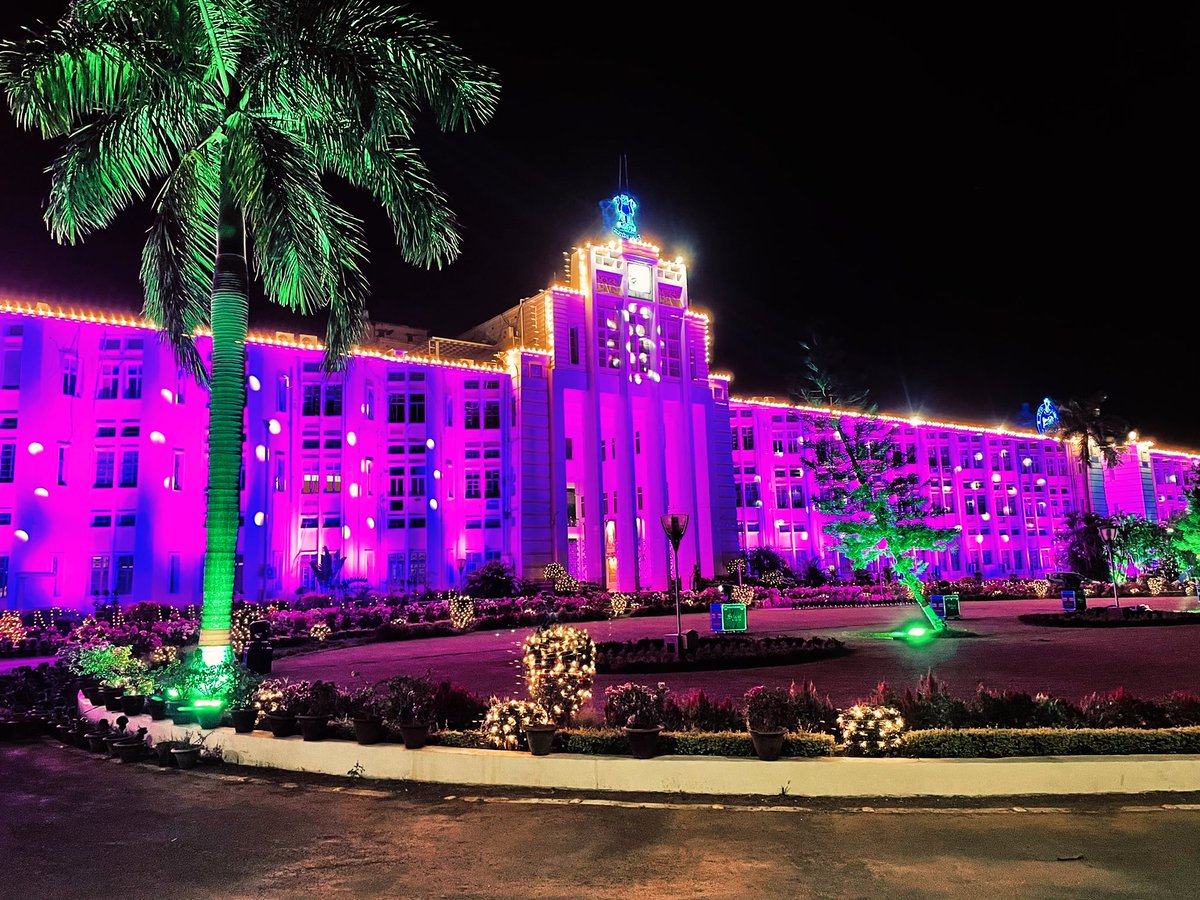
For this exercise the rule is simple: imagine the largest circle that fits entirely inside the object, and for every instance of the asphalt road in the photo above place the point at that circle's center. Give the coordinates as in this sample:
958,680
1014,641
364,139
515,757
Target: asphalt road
74,825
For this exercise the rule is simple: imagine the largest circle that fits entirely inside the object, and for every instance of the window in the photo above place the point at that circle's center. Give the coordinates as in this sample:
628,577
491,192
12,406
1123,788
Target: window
312,480
105,463
573,345
239,573
396,483
110,375
472,490
312,400
126,519
748,438
8,462
416,481
307,522
416,408
70,375
99,579
129,468
282,386
177,471
101,520
637,442
174,564
491,483
12,367
133,381
491,414
62,466
471,414
333,399
124,583
607,337
396,408
572,511
569,449
673,349
369,402
280,473
639,498
3,576
333,478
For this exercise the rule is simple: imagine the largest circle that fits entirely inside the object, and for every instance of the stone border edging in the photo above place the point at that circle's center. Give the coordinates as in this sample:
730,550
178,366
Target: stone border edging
830,776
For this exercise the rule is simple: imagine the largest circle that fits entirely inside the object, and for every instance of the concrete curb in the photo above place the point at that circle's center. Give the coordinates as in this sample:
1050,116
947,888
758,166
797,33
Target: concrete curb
821,777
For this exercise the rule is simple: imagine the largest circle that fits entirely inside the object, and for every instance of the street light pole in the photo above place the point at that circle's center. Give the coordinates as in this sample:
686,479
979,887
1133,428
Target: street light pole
675,525
1108,534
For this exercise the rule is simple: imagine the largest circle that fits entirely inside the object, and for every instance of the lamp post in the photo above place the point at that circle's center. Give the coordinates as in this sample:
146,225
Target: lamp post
675,525
1108,533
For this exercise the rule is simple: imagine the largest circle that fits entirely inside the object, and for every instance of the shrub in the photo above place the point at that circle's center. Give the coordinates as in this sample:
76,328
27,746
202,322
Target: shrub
871,730
504,723
724,652
1000,742
812,711
280,696
493,579
455,707
321,699
560,667
769,709
612,742
409,699
635,706
1120,709
1182,708
930,706
696,711
1017,709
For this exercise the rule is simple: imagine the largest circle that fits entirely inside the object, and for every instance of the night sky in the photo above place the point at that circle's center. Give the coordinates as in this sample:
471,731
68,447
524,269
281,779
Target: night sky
983,209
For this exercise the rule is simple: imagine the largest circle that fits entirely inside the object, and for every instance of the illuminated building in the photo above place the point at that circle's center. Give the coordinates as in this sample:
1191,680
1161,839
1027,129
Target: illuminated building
557,431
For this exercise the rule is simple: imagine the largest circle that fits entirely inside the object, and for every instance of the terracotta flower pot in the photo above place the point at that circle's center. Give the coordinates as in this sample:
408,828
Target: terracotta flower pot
187,758
280,726
414,735
368,731
133,704
768,744
643,742
540,738
244,719
313,727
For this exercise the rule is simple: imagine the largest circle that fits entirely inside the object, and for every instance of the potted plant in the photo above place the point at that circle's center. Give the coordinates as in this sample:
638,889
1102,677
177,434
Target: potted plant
241,700
640,710
119,734
315,708
409,705
276,700
208,712
131,749
186,751
539,729
111,696
364,707
137,687
769,712
95,739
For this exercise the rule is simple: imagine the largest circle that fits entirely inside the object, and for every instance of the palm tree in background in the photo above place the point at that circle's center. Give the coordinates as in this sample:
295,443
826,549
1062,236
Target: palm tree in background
229,113
1084,426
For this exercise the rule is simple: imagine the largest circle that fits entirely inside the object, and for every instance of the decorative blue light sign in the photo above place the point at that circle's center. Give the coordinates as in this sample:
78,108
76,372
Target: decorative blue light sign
1046,418
620,215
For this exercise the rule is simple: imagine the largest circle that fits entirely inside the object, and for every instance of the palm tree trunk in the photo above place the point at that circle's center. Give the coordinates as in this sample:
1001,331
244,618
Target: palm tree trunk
1085,469
229,310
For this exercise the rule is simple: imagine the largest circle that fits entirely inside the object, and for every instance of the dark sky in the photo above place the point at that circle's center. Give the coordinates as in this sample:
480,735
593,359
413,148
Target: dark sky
984,206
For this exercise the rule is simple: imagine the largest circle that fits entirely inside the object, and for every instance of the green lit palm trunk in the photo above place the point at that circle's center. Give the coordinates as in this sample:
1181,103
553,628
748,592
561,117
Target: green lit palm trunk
229,310
905,568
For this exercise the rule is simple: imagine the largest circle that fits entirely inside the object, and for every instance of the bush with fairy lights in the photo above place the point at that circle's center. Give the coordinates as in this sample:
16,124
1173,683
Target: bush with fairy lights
505,720
557,573
462,613
869,730
560,667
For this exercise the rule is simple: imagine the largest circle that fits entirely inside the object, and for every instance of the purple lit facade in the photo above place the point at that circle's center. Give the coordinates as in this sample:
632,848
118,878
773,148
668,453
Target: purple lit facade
557,431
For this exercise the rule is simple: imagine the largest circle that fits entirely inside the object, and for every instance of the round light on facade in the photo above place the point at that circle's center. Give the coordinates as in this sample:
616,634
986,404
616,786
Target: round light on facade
804,535
429,443
1041,481
345,532
351,438
274,427
996,478
370,521
976,485
437,474
41,492
1004,537
432,503
21,534
1027,462
979,538
1012,492
255,384
167,482
260,453
958,468
978,456
167,395
354,490
157,437
35,448
260,517
986,517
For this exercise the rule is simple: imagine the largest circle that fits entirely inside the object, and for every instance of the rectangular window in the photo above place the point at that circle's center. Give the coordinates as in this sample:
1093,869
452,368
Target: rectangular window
174,564
369,402
70,375
129,468
416,481
282,387
133,381
748,438
105,465
416,408
124,583
3,576
637,442
471,414
333,478
280,473
126,519
570,454
312,481
8,462
312,400
396,409
491,483
573,345
333,399
62,466
639,498
491,414
472,489
99,575
239,573
101,520
109,383
396,482
177,471
12,369
572,511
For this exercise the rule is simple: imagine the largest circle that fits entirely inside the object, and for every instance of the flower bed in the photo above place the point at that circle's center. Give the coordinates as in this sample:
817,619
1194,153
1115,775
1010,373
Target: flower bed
960,743
1111,618
718,652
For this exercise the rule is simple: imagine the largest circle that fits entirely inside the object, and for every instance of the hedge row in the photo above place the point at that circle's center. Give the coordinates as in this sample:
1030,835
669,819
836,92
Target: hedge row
613,742
1099,618
959,743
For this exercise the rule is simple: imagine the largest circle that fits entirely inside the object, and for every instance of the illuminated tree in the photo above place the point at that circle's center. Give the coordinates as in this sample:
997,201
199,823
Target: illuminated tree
1082,425
879,508
228,114
1145,545
1186,533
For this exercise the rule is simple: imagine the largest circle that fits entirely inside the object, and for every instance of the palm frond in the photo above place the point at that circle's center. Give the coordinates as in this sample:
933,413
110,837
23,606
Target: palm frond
177,261
348,295
274,178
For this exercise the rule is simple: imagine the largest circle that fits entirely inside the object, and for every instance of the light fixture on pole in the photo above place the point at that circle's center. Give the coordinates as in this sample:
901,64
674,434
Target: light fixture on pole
1108,533
675,526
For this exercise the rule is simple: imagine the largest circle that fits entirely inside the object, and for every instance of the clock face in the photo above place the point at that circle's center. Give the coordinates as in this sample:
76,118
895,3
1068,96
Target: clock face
639,281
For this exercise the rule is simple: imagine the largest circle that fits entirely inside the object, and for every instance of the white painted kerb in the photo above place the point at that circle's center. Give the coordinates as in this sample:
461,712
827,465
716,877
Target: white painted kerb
821,777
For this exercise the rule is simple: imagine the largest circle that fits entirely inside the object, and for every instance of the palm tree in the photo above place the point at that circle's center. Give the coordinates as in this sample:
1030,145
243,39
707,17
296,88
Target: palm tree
229,113
1084,426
